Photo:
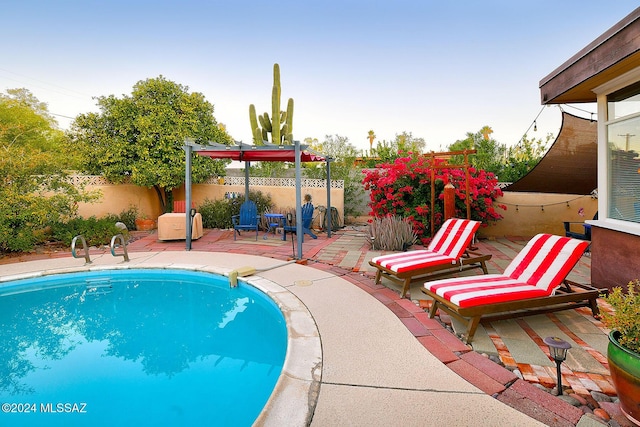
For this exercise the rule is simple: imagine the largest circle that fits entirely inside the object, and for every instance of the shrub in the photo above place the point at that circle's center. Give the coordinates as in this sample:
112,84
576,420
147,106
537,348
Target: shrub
626,315
403,188
128,217
215,213
97,232
218,213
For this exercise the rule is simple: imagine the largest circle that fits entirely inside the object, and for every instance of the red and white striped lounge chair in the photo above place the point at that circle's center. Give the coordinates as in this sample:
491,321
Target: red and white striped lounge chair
448,250
534,282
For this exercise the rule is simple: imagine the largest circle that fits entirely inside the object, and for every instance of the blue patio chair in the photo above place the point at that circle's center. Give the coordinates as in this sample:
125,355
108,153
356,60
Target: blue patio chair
307,218
247,220
585,235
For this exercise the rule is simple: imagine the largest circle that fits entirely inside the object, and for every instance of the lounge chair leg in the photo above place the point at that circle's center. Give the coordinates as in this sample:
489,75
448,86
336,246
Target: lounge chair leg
433,309
405,287
471,329
484,267
378,277
594,308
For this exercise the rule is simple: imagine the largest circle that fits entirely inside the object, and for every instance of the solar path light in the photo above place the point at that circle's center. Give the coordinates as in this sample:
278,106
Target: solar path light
558,349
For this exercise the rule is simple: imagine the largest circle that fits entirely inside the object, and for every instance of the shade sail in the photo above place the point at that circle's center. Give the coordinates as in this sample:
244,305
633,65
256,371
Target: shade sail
570,166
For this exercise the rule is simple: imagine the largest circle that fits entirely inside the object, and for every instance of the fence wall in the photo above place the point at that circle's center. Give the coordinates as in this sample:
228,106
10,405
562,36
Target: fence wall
118,197
528,214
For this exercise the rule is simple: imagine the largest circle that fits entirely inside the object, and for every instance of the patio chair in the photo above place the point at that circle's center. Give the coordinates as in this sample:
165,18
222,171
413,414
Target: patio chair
447,253
307,218
533,283
180,206
569,231
247,220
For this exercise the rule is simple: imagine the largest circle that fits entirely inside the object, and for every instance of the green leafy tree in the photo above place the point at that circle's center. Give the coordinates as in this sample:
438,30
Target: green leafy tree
343,167
490,154
269,169
389,151
141,137
34,191
507,163
523,157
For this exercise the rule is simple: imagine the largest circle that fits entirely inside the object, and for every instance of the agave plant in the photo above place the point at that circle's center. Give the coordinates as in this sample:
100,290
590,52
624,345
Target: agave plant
390,233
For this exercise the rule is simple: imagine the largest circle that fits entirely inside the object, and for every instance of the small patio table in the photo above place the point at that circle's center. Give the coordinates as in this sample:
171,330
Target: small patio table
274,220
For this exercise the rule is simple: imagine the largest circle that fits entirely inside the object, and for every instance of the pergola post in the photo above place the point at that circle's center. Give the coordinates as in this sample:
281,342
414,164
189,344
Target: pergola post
328,214
187,186
299,235
247,167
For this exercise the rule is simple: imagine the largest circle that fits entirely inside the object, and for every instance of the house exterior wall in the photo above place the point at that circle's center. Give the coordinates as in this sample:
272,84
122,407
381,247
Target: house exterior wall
615,259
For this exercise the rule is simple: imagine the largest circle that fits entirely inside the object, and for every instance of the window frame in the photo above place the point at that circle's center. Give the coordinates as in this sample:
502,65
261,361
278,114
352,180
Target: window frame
604,199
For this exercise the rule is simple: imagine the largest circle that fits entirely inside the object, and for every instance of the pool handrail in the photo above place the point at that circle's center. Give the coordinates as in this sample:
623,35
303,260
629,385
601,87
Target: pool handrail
123,243
87,258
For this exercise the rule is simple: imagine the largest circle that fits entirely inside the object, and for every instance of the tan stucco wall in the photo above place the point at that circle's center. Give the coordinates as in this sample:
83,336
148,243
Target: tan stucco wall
526,217
282,197
116,198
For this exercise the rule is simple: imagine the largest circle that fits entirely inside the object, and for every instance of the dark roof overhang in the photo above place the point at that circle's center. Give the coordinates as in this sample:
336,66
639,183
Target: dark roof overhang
614,53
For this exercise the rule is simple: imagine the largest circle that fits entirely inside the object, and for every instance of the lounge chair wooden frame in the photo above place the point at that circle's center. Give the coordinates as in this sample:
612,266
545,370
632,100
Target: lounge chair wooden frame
567,297
469,261
534,282
450,251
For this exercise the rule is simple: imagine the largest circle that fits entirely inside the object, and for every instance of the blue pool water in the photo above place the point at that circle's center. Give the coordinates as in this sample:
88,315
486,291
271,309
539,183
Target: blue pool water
137,347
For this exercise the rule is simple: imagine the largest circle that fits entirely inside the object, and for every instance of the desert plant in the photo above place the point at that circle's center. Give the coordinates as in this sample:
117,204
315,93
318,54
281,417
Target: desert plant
390,233
625,317
262,125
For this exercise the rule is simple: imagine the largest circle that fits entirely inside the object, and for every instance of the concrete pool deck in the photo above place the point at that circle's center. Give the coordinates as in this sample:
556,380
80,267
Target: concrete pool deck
383,361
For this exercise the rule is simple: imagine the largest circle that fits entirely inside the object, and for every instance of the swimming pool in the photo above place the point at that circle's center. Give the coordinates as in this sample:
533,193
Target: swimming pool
137,346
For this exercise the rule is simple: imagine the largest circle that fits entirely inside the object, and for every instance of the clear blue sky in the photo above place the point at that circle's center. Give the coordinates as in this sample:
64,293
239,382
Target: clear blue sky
433,68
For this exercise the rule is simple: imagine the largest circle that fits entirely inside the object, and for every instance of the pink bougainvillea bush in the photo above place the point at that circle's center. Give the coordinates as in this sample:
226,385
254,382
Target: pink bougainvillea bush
403,188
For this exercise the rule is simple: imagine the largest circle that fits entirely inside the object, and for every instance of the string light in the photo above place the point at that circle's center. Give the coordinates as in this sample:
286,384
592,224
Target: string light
565,202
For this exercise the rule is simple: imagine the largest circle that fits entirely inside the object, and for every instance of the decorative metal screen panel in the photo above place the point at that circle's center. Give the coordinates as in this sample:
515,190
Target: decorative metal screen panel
277,182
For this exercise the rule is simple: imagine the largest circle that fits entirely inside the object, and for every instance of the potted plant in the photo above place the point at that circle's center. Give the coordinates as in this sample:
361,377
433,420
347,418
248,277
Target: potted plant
144,223
623,352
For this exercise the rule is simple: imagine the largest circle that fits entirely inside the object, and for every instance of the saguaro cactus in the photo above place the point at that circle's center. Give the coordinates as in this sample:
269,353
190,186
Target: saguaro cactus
280,124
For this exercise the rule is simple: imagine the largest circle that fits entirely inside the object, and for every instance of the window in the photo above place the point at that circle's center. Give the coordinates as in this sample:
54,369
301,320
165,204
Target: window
623,137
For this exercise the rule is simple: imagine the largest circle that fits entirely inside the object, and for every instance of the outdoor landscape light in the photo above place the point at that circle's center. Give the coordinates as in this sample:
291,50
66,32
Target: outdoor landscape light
558,349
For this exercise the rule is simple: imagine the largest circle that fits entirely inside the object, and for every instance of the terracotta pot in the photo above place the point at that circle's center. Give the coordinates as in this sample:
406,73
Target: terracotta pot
624,365
145,224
